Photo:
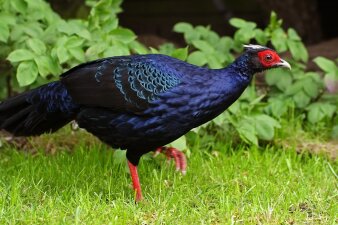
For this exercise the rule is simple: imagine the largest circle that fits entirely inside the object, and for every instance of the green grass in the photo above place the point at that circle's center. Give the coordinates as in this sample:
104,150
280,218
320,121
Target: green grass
243,185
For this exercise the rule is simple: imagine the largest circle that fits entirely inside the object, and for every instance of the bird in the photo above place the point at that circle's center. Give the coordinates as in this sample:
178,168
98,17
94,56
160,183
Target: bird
137,103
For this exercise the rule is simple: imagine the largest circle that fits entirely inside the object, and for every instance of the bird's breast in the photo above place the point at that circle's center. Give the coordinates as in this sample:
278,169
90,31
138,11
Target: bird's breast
192,107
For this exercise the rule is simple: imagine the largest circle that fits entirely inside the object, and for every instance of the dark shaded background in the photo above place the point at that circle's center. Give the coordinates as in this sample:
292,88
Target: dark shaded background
315,20
153,20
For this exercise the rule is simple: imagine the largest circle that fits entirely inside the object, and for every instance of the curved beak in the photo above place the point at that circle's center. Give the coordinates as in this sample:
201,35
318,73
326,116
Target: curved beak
284,64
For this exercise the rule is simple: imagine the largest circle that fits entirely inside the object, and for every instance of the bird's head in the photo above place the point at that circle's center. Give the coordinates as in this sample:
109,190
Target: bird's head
261,58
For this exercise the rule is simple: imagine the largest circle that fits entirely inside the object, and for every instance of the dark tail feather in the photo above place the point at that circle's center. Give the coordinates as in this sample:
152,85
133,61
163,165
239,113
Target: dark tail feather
44,109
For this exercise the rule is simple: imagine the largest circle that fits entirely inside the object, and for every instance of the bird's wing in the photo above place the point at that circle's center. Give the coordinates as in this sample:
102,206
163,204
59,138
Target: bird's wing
120,83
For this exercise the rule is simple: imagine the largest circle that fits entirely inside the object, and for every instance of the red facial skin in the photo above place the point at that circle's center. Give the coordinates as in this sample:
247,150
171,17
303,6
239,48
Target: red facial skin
268,58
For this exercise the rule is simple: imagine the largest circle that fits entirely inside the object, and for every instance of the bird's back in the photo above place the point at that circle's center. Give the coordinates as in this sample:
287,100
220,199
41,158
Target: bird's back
127,83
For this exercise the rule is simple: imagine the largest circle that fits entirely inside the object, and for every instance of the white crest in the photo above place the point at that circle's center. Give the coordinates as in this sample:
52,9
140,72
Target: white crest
254,46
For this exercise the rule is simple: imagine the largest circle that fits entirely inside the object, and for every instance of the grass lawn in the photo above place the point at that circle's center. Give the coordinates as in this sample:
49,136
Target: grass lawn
230,186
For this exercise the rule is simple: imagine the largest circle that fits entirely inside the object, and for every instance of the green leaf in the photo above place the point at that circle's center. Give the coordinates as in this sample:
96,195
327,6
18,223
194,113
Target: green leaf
4,51
64,27
77,53
62,54
197,58
221,57
153,50
116,50
310,87
315,77
167,48
36,5
238,23
17,32
202,31
54,65
298,50
94,50
265,126
325,64
110,25
319,110
331,78
37,46
212,38
235,107
334,133
43,65
4,32
20,55
203,46
183,27
33,29
84,33
78,27
138,47
261,37
277,107
19,5
180,143
301,99
213,61
329,109
124,35
279,39
219,120
46,65
27,73
281,78
274,22
314,113
7,18
73,42
249,94
119,156
225,45
257,100
191,36
247,131
74,27
295,88
331,82
180,53
244,35
292,33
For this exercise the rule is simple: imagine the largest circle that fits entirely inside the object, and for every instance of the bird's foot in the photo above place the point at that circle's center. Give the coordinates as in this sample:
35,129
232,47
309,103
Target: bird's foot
177,155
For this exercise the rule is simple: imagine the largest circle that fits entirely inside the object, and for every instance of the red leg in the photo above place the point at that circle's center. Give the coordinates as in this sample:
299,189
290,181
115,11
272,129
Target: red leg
177,155
136,181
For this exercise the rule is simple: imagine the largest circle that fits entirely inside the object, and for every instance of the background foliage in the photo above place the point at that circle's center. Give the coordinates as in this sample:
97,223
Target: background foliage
37,45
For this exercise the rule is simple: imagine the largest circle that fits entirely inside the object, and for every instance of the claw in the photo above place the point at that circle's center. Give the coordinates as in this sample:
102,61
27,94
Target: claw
177,155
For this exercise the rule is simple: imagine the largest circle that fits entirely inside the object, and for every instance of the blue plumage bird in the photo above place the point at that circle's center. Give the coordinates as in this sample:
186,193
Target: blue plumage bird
138,103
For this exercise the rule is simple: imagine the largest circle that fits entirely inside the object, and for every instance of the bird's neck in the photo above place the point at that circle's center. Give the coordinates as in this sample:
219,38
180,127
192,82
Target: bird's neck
242,67
224,89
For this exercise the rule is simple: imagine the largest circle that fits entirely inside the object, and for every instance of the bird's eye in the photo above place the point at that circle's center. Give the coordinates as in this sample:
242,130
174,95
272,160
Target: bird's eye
268,57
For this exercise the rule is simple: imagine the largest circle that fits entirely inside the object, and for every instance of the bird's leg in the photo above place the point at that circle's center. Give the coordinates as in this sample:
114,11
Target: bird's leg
136,181
177,155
